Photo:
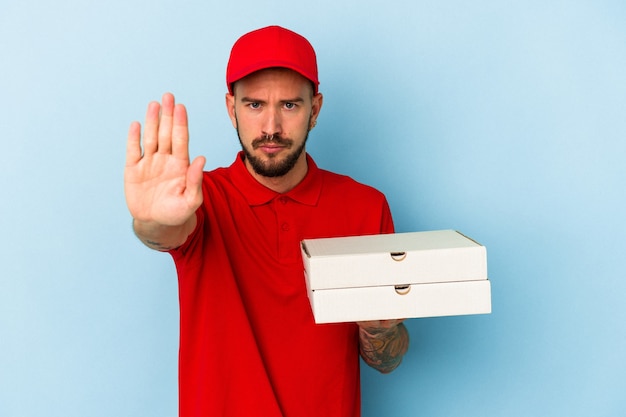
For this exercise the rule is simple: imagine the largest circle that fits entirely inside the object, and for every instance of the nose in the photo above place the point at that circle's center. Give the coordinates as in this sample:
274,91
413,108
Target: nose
272,124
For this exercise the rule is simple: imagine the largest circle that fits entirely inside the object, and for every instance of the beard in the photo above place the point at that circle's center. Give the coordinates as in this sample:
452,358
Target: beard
273,167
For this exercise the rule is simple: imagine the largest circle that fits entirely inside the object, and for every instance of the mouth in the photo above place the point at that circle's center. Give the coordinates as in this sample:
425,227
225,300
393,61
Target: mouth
271,146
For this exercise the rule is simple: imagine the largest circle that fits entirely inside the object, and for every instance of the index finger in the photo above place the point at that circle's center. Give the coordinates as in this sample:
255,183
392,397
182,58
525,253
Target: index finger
180,133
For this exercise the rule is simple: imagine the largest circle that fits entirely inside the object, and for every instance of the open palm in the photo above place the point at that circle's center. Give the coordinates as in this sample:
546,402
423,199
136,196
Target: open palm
160,184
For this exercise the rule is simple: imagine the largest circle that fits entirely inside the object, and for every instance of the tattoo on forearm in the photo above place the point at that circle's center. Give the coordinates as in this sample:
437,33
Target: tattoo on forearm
156,245
152,244
383,349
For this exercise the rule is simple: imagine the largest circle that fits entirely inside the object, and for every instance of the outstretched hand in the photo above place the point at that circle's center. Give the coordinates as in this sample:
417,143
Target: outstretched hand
160,184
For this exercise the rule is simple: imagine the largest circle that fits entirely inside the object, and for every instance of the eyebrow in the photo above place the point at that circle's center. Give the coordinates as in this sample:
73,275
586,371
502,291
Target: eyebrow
253,100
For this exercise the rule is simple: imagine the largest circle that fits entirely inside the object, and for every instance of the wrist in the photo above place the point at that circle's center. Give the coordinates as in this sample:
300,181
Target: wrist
163,237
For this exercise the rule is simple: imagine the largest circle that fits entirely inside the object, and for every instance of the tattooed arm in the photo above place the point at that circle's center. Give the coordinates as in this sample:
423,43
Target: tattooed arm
383,343
163,238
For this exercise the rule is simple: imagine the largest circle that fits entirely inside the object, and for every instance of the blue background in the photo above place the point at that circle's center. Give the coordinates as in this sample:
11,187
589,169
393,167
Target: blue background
504,120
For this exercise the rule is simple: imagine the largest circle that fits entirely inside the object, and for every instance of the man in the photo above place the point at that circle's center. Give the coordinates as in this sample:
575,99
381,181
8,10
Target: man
248,342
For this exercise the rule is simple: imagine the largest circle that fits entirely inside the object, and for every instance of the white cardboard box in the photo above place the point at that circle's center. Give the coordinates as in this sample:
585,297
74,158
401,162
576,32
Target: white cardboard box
401,275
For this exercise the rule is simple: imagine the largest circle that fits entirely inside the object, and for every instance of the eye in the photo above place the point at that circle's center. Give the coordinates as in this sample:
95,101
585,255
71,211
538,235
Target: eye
254,105
290,106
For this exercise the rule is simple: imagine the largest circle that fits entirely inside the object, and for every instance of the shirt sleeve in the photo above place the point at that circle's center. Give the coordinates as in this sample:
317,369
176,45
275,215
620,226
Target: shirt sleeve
386,224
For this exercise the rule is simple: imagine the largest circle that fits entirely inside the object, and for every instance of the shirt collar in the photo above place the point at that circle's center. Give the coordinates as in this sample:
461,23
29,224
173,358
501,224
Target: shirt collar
306,192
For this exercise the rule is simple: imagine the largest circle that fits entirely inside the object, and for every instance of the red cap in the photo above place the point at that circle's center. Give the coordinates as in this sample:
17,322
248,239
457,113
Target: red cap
272,46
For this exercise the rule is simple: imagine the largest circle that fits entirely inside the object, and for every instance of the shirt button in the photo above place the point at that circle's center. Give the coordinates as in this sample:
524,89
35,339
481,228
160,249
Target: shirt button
285,227
283,200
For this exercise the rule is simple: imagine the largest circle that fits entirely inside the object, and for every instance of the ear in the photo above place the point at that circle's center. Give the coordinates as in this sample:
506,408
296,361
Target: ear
230,108
316,107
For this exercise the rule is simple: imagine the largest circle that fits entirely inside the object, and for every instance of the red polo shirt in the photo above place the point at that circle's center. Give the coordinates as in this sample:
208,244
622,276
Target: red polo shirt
248,342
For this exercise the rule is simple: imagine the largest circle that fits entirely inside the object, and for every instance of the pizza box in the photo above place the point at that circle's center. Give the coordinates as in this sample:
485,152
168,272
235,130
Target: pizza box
392,276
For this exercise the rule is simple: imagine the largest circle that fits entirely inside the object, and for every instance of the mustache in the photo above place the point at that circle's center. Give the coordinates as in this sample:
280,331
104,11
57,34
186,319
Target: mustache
274,139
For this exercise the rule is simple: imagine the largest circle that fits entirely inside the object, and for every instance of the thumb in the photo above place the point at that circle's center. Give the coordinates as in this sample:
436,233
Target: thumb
194,178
